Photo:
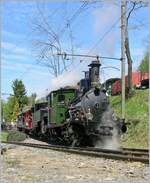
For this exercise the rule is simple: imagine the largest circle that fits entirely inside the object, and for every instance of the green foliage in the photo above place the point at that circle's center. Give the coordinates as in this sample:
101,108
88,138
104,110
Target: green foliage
137,115
11,108
4,136
2,108
144,65
15,110
18,88
8,108
20,92
16,136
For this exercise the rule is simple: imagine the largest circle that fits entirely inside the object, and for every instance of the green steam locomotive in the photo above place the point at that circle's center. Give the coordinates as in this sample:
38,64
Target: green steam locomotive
79,116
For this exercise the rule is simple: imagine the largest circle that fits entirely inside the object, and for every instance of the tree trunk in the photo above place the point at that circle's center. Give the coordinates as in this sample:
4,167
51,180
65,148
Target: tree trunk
129,59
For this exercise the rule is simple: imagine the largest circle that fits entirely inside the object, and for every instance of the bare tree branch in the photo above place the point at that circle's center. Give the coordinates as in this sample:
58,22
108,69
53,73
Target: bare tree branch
50,45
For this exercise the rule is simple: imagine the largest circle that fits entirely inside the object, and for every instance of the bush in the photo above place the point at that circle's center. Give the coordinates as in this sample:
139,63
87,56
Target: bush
16,136
144,65
4,135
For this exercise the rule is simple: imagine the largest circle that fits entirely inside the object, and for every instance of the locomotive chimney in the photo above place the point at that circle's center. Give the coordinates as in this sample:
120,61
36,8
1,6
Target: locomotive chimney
94,73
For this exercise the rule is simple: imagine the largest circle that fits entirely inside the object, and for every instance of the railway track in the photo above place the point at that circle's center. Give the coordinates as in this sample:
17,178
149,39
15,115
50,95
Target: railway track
126,154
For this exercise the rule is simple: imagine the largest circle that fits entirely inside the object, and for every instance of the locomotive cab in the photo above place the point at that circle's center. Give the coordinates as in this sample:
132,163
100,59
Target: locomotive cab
58,102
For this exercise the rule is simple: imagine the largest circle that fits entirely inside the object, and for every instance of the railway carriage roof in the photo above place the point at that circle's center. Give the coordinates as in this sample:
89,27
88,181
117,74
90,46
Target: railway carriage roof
66,89
41,100
112,79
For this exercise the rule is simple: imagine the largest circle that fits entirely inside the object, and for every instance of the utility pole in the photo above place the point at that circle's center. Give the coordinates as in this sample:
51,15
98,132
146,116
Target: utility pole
123,29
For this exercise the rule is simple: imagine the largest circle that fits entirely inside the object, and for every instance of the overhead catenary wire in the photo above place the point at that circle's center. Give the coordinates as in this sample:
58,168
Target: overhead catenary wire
111,67
106,33
99,40
90,56
102,38
70,21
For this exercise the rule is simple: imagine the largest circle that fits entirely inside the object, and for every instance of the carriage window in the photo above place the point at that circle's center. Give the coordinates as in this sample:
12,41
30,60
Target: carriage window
61,98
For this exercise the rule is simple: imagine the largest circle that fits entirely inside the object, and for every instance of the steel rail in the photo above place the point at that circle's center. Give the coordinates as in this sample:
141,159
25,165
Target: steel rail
95,152
121,151
136,149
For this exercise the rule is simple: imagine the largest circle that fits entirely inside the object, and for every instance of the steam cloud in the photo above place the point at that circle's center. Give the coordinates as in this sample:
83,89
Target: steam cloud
66,79
109,142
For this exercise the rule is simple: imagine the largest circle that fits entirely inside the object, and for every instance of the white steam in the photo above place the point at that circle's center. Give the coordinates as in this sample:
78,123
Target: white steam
66,79
109,142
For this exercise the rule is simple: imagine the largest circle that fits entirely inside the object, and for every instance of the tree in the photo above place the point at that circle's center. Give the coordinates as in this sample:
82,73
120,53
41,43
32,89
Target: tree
8,108
134,6
2,109
15,102
144,65
15,110
20,93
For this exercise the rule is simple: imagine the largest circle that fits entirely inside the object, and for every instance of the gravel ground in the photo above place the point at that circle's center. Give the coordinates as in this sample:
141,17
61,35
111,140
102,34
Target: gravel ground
30,164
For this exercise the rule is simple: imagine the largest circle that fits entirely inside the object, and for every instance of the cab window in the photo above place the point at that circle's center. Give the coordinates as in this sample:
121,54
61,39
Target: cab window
61,98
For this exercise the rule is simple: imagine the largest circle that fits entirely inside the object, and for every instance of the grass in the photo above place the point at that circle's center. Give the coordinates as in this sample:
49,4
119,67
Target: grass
4,136
12,135
136,114
16,136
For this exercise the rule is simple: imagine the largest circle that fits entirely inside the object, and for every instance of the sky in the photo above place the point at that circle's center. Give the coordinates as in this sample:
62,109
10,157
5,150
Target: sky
94,30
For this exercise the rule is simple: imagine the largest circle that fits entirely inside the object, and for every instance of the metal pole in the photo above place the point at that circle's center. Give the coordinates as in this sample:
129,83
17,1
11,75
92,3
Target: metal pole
123,27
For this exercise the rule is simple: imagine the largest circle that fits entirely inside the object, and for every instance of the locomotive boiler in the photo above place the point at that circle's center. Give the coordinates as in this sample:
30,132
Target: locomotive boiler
91,118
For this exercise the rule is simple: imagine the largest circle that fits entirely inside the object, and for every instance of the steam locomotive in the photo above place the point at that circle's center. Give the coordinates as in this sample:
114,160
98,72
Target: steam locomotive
74,116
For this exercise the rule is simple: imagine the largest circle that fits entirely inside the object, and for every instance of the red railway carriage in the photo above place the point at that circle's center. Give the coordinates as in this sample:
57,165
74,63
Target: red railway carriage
28,119
138,77
116,88
137,80
25,120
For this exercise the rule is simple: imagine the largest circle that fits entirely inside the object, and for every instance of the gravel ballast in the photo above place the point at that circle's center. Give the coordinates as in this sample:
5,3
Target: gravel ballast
31,164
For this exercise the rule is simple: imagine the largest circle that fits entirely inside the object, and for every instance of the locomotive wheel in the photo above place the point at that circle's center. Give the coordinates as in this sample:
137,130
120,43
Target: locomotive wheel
72,137
75,142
